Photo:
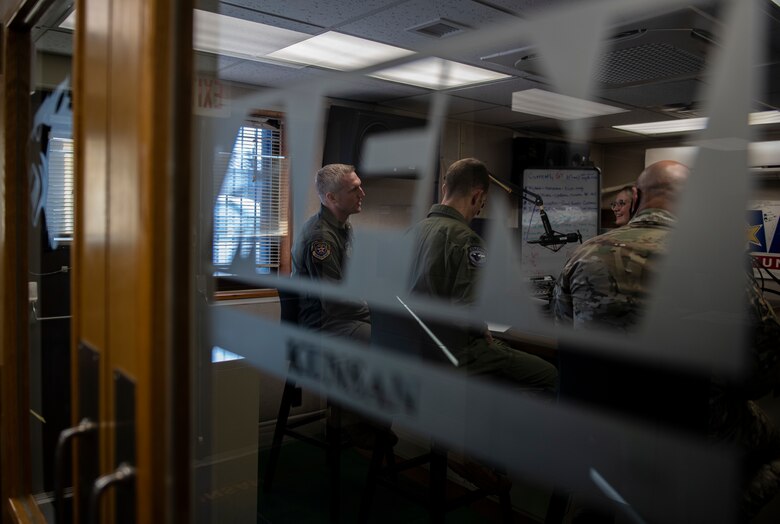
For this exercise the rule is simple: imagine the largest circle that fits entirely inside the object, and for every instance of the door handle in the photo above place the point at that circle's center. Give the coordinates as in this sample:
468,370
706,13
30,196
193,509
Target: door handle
84,427
123,474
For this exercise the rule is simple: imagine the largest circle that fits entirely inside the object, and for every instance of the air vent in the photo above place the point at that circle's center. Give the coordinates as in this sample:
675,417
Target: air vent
438,28
632,57
644,63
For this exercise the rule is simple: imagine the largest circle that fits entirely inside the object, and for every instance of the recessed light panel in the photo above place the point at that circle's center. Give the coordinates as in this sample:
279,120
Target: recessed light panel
229,36
683,125
561,107
333,50
70,21
437,73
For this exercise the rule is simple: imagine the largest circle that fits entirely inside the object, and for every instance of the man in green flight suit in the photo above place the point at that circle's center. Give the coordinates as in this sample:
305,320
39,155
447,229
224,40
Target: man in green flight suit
323,249
321,252
450,256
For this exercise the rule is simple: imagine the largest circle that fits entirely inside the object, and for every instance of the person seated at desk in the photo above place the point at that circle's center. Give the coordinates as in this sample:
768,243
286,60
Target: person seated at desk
605,284
323,248
449,258
321,253
623,205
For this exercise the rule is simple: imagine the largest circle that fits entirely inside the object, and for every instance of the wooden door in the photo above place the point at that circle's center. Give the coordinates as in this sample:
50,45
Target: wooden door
131,255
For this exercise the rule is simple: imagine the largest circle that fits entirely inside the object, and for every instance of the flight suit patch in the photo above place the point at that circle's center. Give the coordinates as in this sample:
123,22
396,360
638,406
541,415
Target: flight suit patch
477,256
320,249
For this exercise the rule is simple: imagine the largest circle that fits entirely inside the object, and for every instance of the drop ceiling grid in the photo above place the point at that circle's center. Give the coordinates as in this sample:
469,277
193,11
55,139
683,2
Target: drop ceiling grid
684,91
498,93
323,13
391,25
228,9
270,75
500,116
422,103
56,41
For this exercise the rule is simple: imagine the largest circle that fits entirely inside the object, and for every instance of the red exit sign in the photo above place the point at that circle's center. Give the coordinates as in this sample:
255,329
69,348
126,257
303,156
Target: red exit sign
211,97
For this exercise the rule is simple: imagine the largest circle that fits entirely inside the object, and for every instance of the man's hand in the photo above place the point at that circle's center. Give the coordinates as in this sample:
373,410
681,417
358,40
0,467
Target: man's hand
488,336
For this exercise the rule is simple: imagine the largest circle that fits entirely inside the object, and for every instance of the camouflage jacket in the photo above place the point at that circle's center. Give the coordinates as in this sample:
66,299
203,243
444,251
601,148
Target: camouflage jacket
605,282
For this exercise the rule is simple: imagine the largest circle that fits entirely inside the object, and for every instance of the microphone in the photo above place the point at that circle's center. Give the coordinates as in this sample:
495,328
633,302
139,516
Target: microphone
557,239
548,230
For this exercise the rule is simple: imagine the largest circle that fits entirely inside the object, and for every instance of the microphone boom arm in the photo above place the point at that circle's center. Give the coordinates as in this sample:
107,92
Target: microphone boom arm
550,236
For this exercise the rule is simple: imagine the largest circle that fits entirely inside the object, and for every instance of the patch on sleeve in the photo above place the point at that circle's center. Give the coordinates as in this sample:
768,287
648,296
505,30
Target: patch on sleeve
477,256
320,249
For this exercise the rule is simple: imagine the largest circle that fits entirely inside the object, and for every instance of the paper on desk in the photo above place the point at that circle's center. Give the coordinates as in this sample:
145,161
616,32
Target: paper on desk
497,328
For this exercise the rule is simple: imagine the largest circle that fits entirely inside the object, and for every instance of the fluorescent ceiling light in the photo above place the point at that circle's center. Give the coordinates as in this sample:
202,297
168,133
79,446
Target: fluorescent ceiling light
561,107
229,36
693,124
437,73
70,21
764,117
666,126
333,50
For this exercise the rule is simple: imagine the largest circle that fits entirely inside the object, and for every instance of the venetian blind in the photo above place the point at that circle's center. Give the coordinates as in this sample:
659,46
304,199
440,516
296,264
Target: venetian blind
250,210
59,193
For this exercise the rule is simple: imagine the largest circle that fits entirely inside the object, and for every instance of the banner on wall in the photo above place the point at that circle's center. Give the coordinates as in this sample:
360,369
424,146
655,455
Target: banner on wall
763,235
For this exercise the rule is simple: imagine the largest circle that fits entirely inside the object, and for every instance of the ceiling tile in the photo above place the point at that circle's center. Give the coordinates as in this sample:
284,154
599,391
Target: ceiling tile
421,104
499,93
56,41
326,14
498,116
391,25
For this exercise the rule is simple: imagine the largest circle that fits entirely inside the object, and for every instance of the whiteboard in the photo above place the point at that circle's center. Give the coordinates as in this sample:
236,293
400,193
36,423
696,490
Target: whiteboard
572,201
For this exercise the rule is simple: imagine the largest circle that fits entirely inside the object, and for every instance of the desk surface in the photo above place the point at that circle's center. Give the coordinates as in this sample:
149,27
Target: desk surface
539,345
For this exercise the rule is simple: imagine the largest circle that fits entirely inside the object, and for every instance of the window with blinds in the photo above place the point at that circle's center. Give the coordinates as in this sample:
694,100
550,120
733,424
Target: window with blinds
250,210
59,193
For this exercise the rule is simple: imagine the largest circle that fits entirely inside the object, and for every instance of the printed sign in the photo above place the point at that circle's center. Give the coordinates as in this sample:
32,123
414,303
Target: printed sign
762,233
211,97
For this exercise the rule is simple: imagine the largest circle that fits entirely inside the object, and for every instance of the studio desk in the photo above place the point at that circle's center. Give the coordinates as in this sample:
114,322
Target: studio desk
534,344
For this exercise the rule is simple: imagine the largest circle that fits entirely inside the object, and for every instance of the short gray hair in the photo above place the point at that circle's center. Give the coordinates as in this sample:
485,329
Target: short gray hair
329,178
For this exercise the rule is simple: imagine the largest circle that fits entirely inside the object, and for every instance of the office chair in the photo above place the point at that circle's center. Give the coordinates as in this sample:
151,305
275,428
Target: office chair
397,329
333,442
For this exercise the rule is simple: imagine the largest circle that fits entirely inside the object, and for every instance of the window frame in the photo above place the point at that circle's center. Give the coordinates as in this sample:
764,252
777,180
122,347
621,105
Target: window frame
228,288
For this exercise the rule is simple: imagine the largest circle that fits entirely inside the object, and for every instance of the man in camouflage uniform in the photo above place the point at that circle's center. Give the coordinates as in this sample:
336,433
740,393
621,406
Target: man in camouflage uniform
449,259
605,285
322,251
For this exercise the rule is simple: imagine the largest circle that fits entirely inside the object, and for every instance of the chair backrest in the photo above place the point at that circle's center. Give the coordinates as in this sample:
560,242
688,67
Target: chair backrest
289,302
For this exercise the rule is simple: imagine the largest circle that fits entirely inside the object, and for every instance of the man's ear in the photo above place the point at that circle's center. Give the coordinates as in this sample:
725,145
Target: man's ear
634,200
475,196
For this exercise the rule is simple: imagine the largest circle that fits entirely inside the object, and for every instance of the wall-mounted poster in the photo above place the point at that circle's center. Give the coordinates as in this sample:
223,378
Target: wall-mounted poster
571,199
763,235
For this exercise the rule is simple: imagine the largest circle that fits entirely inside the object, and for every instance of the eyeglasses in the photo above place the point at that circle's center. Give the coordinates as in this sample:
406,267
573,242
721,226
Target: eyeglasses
618,203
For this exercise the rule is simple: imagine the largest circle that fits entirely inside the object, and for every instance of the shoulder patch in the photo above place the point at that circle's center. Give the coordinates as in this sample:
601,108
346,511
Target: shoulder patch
477,256
320,249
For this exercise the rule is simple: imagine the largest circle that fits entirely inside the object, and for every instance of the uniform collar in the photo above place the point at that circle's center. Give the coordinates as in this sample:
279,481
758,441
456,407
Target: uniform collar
331,219
654,216
447,211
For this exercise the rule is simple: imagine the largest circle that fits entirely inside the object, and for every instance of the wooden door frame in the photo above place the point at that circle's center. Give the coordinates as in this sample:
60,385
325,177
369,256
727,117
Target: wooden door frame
15,480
